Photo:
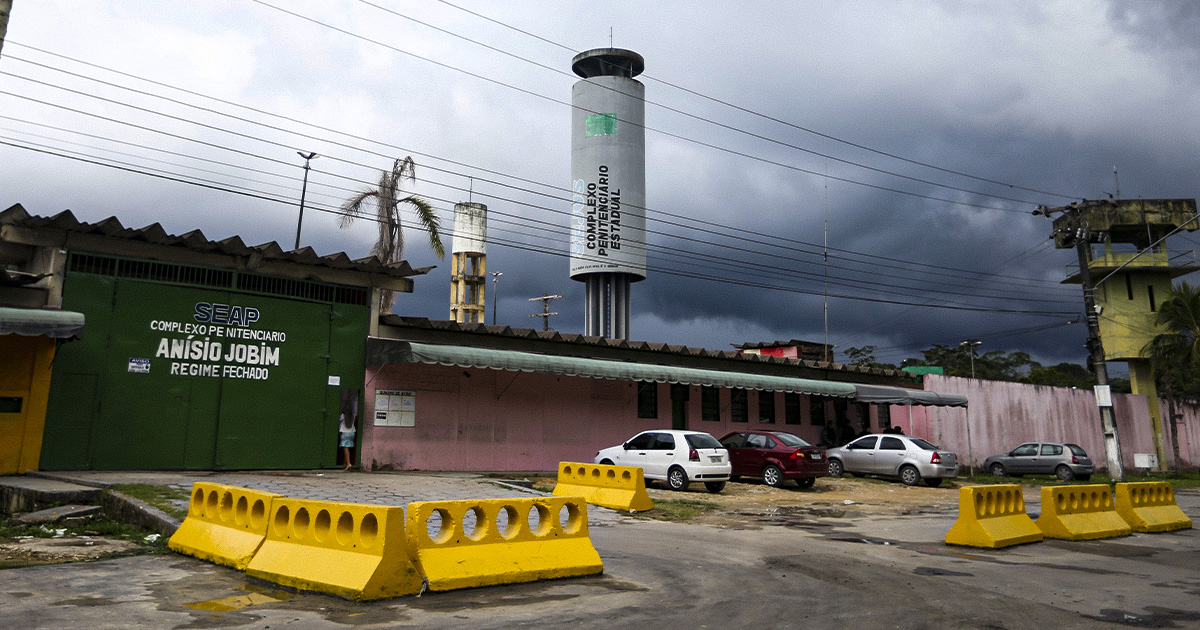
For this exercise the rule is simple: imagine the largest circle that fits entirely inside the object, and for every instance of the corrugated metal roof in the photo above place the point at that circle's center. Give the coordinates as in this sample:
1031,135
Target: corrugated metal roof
626,344
385,351
196,241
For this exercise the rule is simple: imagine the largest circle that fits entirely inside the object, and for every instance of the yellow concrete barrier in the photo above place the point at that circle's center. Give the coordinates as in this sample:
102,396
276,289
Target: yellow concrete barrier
510,540
348,549
616,487
224,524
992,516
1080,513
1149,506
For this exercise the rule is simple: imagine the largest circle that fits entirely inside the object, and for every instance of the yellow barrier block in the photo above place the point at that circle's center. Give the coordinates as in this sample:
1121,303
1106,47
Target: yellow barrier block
224,524
348,549
1080,513
1149,506
511,540
992,516
616,487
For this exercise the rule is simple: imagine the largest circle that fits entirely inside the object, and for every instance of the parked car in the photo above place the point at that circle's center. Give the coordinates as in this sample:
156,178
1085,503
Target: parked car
1065,461
775,456
677,457
909,458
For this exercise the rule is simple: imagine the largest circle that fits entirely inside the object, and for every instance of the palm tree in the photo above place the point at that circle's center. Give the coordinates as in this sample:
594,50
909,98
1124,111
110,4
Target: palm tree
1174,352
389,247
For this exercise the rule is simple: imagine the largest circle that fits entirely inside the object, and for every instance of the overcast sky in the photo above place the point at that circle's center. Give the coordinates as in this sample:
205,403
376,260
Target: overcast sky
938,127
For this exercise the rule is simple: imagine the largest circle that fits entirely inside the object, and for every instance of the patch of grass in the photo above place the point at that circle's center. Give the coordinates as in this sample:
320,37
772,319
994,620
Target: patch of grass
677,510
103,525
169,499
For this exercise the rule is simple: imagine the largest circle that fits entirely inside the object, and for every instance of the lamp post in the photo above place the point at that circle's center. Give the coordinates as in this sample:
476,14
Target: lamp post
970,345
495,293
303,190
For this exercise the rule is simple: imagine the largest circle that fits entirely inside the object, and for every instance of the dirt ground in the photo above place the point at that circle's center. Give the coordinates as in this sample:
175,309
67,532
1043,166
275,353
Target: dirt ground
750,503
32,551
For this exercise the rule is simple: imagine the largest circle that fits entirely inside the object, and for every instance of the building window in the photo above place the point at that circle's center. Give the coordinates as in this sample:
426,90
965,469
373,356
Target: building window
1150,292
791,408
863,412
817,410
885,416
710,404
766,407
738,403
647,400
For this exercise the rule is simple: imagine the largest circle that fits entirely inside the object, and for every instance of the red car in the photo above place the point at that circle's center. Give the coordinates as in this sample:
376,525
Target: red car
775,456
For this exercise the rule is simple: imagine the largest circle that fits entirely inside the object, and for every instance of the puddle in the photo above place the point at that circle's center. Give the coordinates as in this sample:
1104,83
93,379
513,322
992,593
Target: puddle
1154,617
256,595
936,571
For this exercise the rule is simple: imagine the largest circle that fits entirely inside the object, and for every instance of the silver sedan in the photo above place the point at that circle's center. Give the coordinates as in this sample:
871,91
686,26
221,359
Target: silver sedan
909,458
1065,461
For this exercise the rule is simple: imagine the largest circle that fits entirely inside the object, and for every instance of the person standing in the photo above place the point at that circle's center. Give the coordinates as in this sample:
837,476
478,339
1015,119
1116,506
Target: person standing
346,435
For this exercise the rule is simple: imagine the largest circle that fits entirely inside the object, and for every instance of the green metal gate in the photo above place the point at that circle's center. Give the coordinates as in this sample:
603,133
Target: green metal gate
185,367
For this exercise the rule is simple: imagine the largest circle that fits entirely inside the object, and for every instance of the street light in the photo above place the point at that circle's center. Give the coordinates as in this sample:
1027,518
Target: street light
970,345
303,190
495,294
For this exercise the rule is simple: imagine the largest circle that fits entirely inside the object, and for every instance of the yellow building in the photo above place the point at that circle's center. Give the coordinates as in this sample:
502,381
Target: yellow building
1132,275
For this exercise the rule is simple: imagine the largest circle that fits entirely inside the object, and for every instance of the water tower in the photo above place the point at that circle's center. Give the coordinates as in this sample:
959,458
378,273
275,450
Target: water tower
468,264
608,185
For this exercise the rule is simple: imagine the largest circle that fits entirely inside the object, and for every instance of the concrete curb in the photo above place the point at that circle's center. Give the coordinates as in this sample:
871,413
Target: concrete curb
138,512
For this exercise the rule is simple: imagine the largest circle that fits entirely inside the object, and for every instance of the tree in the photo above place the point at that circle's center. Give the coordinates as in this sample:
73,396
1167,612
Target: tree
1062,375
1174,352
995,365
389,247
865,356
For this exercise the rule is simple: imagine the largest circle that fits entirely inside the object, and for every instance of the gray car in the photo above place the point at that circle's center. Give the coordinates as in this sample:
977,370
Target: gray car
1065,461
909,458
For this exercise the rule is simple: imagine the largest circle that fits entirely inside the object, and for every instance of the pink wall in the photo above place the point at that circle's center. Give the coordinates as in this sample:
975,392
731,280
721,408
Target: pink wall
1002,415
479,419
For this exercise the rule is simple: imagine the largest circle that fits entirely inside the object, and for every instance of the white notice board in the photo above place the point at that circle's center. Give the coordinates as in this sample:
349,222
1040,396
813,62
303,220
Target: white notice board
395,408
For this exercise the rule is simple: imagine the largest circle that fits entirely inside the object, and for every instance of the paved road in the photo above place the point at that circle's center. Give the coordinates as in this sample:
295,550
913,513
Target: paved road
802,573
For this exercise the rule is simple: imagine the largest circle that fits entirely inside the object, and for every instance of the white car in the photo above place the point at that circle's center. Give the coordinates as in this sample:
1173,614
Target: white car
677,457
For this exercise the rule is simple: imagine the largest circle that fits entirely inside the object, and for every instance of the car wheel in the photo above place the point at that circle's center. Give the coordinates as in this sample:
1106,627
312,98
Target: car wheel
910,476
606,462
772,476
933,483
677,479
1063,473
998,469
806,482
714,486
835,468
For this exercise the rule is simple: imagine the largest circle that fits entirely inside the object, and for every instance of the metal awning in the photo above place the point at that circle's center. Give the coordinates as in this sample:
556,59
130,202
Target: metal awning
386,351
31,322
881,394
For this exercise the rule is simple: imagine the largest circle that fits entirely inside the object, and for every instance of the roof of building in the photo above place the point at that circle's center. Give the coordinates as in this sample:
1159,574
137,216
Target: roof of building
507,332
196,241
799,343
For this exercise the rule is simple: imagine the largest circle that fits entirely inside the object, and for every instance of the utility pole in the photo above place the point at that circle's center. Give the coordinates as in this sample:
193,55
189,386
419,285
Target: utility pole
303,191
970,345
495,293
1108,423
545,314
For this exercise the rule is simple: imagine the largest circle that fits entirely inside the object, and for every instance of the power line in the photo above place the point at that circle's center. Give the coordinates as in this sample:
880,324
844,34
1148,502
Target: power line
767,116
246,136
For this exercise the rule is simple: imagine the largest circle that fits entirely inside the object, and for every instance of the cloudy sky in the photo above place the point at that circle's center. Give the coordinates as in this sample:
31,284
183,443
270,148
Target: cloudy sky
921,133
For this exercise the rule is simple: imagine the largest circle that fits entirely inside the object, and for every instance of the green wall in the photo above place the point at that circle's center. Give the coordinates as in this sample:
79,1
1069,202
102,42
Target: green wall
169,376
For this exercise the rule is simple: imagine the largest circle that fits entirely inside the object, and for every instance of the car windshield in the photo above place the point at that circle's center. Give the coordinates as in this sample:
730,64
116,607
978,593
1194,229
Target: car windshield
702,440
790,440
1077,450
922,444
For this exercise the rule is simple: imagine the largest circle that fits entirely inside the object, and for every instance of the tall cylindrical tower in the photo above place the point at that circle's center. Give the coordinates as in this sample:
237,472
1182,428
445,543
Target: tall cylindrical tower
608,184
468,264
